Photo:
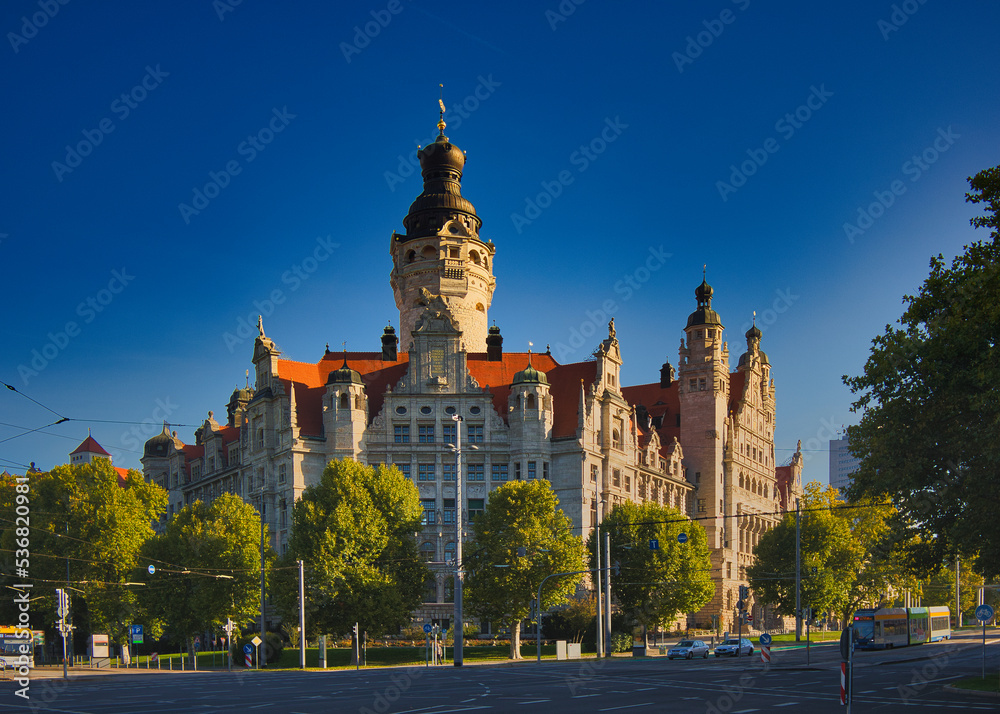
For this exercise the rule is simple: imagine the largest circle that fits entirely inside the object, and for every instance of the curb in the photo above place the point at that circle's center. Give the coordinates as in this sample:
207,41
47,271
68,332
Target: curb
958,690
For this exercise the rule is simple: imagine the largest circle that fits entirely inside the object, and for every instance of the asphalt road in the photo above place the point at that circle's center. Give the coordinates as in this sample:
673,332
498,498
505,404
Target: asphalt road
884,682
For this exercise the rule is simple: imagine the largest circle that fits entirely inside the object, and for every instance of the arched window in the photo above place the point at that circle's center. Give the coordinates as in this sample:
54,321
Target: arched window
529,401
411,256
345,401
449,551
616,439
428,252
474,257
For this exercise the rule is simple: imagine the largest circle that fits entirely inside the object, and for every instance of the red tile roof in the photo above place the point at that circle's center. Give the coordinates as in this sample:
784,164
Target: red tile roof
660,402
122,475
309,382
90,446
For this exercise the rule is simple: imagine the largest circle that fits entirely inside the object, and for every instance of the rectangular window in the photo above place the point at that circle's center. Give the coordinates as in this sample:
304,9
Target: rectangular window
211,464
234,455
448,511
429,516
447,472
628,483
545,470
475,434
281,473
697,476
476,506
692,385
531,471
499,472
195,472
448,432
425,433
616,478
594,470
405,468
477,472
701,384
282,514
401,434
426,472
517,470
701,505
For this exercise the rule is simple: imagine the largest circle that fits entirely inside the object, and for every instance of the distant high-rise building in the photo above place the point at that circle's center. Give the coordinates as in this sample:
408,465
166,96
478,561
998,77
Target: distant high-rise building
842,463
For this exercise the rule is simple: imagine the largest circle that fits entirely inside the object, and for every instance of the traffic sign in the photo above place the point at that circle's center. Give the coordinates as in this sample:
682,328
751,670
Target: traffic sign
741,605
984,613
845,644
151,569
764,639
248,649
428,628
654,544
682,537
256,641
136,634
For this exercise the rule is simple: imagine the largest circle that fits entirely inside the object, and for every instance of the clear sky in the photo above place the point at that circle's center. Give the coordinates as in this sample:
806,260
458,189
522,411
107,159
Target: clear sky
172,167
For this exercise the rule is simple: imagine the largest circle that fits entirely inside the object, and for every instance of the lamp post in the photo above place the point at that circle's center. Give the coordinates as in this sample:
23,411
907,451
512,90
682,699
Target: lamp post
597,542
458,626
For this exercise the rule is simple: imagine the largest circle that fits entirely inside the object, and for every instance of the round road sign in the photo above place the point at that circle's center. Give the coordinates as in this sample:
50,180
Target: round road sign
765,639
682,537
151,569
248,649
984,613
428,628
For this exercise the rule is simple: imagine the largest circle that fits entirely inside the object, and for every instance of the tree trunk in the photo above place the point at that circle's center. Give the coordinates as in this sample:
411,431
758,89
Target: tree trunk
515,640
192,653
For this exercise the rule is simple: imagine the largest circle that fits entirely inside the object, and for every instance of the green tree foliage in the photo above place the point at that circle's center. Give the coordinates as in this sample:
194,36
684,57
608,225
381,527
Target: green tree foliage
354,531
97,522
207,567
939,589
520,538
831,555
930,403
654,586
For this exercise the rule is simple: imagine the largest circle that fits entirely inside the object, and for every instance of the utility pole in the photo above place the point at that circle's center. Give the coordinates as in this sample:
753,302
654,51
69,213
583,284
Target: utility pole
798,574
302,615
607,593
597,543
958,594
262,657
459,616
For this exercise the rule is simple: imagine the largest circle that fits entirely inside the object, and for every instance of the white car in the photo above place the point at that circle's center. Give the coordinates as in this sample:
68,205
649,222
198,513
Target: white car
734,647
688,649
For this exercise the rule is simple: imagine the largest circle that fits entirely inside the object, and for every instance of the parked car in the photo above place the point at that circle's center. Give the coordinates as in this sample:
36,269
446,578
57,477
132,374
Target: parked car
734,646
688,649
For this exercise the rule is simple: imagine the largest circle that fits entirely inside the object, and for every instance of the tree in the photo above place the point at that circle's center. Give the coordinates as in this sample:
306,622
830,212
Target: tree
87,526
520,539
207,567
930,403
654,586
830,556
354,531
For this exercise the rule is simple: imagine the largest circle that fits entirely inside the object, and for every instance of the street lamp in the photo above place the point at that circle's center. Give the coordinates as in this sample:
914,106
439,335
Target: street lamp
459,630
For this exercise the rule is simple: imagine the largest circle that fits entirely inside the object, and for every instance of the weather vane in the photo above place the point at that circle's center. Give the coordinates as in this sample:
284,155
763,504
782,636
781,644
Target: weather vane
441,124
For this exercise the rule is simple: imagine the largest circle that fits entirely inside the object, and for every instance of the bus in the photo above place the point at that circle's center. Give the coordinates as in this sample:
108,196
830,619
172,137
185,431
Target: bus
889,627
12,639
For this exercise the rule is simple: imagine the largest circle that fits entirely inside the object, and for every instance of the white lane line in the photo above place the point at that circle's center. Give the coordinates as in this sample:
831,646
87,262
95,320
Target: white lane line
786,704
626,706
583,696
536,701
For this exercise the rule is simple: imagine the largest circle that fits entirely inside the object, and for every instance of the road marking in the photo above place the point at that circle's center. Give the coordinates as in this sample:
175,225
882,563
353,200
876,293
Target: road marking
536,701
786,704
646,689
746,711
581,696
626,706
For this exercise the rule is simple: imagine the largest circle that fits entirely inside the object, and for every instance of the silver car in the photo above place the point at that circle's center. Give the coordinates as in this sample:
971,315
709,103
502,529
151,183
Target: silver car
734,647
688,649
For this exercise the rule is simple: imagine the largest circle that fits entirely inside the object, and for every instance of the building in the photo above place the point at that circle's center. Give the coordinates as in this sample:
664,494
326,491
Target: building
88,450
842,463
700,439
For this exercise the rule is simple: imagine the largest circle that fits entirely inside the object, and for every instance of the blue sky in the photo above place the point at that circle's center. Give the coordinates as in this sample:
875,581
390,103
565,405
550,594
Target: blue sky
742,135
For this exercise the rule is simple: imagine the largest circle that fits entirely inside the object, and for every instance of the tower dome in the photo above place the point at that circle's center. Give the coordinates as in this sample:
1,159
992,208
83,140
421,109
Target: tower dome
704,315
344,375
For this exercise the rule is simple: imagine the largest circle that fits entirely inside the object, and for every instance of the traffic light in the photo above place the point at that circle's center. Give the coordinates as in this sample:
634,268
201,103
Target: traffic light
355,630
62,602
744,592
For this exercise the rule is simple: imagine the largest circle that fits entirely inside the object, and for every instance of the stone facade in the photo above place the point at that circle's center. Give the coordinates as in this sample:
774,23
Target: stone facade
702,442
